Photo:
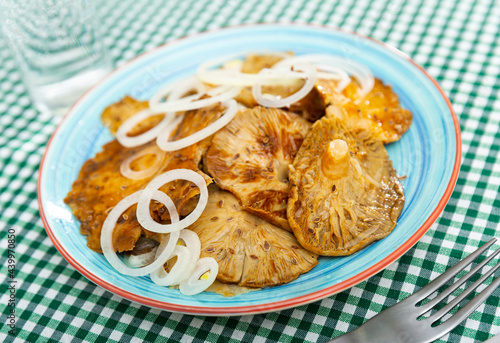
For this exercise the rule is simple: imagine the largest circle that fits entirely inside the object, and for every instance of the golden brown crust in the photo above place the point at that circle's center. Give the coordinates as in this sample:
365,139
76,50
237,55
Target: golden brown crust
250,251
379,111
340,212
99,187
250,157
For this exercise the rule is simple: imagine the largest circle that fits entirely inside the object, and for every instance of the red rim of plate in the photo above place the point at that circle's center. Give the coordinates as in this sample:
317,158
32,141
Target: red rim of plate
284,304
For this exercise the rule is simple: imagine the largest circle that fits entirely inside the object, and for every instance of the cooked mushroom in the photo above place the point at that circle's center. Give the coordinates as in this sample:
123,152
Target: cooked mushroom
250,158
99,187
100,184
344,192
250,251
379,111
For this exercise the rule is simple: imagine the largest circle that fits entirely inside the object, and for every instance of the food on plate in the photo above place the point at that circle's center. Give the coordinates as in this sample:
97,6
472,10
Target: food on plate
250,156
116,114
344,192
99,187
310,107
295,147
379,111
101,183
250,251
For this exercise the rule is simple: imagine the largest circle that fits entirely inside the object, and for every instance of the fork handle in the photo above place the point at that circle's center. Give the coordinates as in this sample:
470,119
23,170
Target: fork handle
354,336
372,331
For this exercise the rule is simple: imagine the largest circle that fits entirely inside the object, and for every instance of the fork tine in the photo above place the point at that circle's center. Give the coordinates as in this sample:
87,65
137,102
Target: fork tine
450,273
427,306
465,311
439,314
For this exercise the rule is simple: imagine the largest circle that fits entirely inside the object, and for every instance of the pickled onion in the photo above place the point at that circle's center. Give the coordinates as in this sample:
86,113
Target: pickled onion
109,225
144,215
126,171
362,73
165,145
308,74
178,272
194,284
130,123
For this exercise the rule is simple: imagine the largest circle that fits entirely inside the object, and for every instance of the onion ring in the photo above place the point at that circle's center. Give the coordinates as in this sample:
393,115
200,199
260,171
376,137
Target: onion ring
144,215
309,75
193,244
341,76
178,272
358,70
193,285
126,171
130,123
185,105
165,145
176,90
109,225
230,76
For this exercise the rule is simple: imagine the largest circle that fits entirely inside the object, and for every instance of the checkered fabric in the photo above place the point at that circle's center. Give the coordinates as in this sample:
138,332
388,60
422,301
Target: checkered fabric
457,42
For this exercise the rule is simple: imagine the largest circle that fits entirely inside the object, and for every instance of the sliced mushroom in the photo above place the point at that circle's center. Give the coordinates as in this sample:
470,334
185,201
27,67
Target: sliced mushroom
250,251
250,158
344,192
379,111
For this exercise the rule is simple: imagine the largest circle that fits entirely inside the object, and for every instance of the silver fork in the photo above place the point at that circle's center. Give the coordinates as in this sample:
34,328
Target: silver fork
399,324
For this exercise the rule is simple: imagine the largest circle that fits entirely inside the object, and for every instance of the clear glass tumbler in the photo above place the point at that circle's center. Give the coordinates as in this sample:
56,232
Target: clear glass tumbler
58,47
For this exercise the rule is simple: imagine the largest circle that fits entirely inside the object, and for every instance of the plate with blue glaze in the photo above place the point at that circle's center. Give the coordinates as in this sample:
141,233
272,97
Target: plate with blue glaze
428,154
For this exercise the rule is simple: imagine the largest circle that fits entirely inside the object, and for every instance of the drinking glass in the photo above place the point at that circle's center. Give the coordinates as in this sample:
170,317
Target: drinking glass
58,47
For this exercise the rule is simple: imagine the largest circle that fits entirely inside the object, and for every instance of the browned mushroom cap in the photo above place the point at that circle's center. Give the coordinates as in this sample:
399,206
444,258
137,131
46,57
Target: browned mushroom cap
99,187
250,158
344,192
100,184
379,111
250,251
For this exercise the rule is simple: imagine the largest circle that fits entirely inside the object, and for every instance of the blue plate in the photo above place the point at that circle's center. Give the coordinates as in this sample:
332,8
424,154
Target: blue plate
428,154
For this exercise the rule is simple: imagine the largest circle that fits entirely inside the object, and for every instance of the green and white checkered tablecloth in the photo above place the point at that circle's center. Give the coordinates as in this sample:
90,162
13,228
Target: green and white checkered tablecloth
457,42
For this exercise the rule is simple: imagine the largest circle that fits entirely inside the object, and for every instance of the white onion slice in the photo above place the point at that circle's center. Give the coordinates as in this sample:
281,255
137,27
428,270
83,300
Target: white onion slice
309,75
230,76
335,73
144,215
176,90
109,225
178,272
237,78
164,144
358,70
130,123
193,244
193,285
137,261
185,105
126,171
